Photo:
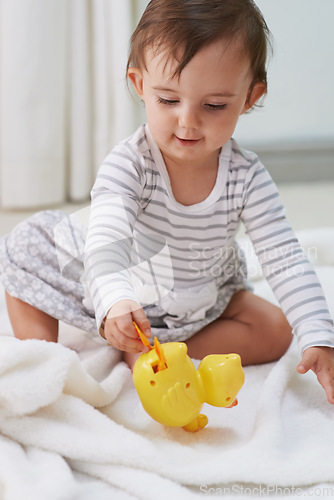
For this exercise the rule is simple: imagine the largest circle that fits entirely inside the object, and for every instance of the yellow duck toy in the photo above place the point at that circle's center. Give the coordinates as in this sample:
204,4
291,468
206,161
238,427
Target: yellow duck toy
173,392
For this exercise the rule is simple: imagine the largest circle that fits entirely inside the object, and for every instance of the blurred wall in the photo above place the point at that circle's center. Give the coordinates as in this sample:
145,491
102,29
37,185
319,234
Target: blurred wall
294,132
300,103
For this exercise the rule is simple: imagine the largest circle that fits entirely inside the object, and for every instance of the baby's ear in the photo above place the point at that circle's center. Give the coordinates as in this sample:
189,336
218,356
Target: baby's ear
254,95
135,76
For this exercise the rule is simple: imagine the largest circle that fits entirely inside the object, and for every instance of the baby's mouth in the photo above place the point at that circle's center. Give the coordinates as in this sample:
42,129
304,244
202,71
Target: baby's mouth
187,142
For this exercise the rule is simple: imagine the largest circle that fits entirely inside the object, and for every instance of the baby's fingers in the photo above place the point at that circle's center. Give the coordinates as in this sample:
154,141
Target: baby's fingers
120,333
308,361
140,318
119,327
120,339
326,379
321,361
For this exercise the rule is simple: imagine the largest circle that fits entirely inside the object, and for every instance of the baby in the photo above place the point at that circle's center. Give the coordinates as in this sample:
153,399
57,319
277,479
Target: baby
166,207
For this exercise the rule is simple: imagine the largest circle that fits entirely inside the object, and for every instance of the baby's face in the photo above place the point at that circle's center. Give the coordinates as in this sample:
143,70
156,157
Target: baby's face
192,116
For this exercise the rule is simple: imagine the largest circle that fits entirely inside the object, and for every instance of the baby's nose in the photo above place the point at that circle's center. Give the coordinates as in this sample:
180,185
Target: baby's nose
189,118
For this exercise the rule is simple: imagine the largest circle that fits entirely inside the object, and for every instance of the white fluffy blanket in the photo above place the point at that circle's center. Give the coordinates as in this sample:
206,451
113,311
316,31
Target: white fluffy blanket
72,426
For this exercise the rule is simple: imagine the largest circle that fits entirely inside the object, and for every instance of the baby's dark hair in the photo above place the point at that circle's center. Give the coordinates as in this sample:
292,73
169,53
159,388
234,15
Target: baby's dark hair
184,27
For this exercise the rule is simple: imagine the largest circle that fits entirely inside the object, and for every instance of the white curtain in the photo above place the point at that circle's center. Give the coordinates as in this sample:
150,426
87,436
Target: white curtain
63,96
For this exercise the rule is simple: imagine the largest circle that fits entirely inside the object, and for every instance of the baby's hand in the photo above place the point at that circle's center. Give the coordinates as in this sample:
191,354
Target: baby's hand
119,329
321,361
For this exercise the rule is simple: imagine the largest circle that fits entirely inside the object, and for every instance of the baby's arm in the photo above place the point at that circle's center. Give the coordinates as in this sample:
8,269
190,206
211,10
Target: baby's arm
321,361
119,330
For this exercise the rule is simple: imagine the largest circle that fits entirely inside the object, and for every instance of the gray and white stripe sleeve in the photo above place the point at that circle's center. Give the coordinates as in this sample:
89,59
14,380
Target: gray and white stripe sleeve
115,203
284,264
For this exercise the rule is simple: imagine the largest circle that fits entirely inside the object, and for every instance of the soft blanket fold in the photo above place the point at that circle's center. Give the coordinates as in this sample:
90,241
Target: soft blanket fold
72,426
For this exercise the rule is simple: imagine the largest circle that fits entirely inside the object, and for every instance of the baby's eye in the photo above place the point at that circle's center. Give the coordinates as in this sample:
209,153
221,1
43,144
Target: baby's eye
169,102
216,106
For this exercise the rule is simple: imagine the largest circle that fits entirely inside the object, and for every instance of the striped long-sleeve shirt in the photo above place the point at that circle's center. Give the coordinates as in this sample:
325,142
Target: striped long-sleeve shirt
142,243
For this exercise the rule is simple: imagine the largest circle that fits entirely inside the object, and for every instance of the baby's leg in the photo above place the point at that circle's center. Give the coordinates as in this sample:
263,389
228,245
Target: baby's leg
30,323
130,358
33,271
250,326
